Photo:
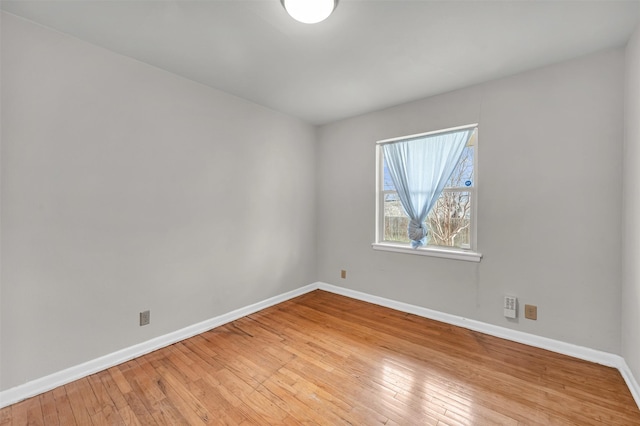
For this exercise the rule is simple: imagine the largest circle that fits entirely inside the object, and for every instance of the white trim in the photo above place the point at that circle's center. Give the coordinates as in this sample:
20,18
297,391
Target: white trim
379,196
433,132
474,194
627,375
52,381
469,256
44,384
580,352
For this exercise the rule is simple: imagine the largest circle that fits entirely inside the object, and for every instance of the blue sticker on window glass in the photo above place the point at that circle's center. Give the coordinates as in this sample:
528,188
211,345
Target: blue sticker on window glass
467,183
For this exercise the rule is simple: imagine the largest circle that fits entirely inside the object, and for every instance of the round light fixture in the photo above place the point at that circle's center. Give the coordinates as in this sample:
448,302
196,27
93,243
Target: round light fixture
309,11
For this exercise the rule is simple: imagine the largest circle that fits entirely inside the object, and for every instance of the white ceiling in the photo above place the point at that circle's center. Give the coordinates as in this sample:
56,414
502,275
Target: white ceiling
367,56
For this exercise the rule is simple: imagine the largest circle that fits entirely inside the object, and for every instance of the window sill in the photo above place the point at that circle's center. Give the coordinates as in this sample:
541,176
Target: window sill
469,256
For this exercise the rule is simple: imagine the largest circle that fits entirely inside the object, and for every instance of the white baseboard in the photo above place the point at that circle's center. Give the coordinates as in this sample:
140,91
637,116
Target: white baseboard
631,381
52,381
580,352
44,384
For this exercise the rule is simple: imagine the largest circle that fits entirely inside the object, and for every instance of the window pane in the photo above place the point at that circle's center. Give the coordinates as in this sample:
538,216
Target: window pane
463,173
395,220
450,220
387,183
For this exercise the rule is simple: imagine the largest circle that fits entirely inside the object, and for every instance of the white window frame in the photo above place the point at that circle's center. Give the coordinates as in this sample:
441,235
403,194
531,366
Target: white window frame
435,251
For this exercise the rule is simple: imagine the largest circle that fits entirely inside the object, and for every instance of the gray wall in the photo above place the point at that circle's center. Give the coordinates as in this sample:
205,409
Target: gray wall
631,211
550,157
127,188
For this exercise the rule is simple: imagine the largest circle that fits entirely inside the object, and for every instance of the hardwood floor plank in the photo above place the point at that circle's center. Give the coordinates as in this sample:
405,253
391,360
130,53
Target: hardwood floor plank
125,412
5,416
133,400
301,406
181,399
107,406
119,379
49,410
81,412
254,402
210,396
146,383
18,413
63,407
369,393
325,359
35,416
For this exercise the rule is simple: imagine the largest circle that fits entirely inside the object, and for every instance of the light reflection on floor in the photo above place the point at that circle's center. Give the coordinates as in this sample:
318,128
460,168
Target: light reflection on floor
428,391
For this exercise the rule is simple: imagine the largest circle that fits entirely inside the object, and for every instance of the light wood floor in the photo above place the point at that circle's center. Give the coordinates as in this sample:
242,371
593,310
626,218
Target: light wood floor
326,359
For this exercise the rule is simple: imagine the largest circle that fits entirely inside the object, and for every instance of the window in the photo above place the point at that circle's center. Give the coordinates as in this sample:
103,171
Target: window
436,175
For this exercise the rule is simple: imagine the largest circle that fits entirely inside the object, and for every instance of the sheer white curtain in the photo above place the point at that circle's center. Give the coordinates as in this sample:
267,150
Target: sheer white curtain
420,169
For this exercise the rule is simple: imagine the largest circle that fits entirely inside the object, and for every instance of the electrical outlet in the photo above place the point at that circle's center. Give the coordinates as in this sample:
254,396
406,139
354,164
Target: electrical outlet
531,312
343,274
145,318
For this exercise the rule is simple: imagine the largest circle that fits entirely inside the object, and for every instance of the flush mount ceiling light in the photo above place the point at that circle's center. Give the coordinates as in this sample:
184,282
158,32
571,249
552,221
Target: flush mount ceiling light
309,11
